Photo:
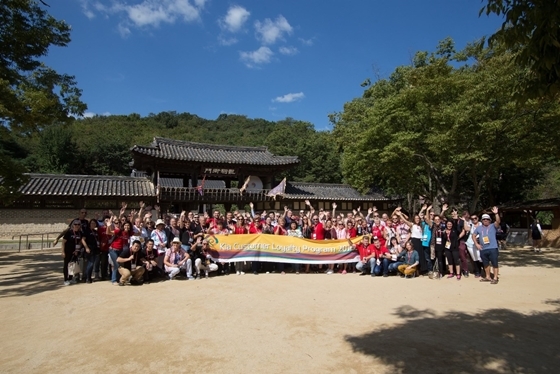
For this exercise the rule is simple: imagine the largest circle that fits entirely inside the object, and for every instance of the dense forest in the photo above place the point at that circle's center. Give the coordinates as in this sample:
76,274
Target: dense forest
101,144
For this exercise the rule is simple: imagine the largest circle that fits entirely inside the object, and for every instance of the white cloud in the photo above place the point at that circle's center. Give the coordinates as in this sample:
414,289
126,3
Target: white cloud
289,98
270,31
262,55
288,50
85,9
146,13
92,114
235,18
306,41
226,41
123,30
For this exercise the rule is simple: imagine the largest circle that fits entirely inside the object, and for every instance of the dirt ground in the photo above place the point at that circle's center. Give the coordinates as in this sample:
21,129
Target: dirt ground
276,323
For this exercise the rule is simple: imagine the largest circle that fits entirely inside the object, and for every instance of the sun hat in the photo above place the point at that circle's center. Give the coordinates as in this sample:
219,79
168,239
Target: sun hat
176,240
160,222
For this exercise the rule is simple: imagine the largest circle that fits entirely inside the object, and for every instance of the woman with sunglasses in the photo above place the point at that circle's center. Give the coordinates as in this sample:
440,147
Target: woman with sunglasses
470,226
71,249
91,243
118,244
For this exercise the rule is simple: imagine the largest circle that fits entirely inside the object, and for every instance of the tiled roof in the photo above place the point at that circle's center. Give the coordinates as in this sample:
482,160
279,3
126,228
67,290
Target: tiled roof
325,191
87,186
543,204
179,150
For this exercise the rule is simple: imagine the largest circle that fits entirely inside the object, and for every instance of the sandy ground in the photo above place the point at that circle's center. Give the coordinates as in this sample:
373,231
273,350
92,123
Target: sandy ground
282,323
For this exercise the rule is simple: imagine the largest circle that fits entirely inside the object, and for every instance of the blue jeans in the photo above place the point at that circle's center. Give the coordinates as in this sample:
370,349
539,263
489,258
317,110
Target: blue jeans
115,273
360,266
91,259
382,268
394,266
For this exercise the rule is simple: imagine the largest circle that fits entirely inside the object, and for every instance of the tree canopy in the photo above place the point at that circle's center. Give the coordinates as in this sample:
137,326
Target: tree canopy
446,127
532,29
32,95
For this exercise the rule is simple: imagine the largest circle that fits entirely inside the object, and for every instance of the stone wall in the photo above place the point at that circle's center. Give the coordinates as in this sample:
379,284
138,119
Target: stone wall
34,221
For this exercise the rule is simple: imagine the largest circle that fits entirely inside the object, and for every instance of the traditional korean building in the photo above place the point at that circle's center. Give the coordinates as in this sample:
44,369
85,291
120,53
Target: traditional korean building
181,175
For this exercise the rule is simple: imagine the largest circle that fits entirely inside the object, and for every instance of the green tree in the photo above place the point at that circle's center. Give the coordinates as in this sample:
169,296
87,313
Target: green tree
32,95
319,158
445,127
57,153
531,27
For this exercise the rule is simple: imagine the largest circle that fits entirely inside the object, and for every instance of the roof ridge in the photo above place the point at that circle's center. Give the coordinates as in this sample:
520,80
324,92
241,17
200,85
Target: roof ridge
158,139
92,176
322,184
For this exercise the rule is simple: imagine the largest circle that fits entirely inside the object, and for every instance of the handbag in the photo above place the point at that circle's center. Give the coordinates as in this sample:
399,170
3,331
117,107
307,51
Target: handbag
435,271
74,267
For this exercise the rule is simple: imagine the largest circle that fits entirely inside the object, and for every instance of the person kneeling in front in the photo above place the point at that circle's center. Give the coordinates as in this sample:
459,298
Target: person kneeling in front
367,255
411,260
176,259
131,261
203,261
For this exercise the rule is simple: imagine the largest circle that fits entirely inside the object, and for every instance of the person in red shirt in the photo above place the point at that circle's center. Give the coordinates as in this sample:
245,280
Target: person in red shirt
213,222
367,255
380,231
239,229
256,227
350,229
317,229
381,261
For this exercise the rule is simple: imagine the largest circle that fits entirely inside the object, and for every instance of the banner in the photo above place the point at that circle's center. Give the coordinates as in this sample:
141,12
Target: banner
280,248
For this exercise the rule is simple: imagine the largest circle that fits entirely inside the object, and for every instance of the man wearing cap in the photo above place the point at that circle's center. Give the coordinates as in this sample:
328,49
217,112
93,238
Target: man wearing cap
176,259
131,261
485,242
367,255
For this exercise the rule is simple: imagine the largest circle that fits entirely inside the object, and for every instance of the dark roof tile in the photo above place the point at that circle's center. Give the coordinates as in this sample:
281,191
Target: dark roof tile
86,185
325,191
180,150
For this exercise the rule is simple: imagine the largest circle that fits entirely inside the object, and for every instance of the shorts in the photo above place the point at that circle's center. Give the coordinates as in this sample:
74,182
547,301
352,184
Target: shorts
488,256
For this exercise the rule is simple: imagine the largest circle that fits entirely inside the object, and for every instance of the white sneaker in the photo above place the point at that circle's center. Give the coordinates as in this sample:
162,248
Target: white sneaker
206,275
330,271
238,273
170,277
242,273
66,283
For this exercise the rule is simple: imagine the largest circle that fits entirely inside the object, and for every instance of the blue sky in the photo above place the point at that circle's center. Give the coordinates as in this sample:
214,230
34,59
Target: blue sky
261,58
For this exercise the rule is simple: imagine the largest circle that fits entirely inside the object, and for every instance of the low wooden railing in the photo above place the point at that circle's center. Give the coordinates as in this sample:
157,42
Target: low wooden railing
215,195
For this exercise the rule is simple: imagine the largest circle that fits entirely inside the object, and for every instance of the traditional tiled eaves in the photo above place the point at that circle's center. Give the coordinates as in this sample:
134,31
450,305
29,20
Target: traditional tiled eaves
178,150
86,186
325,191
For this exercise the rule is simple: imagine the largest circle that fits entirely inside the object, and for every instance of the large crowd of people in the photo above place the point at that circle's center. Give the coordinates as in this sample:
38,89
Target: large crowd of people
136,247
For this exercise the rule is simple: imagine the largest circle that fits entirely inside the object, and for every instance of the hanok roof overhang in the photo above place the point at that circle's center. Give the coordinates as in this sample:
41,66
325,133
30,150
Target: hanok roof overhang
87,186
172,156
534,205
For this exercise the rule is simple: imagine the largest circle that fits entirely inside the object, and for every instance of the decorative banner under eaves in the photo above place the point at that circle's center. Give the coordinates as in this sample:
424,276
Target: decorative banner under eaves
277,248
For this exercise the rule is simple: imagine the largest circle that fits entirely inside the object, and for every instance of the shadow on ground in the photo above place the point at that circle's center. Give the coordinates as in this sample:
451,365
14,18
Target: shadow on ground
516,257
493,341
25,274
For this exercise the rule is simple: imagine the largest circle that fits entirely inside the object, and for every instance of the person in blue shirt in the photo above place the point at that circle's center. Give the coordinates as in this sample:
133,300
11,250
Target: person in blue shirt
485,242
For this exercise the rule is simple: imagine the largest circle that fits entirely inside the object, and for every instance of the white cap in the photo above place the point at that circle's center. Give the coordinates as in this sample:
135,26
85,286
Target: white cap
486,216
